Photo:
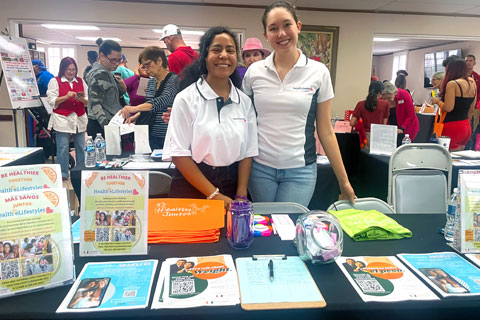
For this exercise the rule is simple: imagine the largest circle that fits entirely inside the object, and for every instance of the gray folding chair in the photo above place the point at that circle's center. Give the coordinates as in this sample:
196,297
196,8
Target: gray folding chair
363,204
278,207
159,184
419,178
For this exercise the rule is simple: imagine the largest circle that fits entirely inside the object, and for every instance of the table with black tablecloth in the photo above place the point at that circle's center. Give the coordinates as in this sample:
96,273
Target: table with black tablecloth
342,300
36,156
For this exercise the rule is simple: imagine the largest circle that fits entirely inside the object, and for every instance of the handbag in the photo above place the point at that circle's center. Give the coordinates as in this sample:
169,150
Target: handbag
148,117
438,124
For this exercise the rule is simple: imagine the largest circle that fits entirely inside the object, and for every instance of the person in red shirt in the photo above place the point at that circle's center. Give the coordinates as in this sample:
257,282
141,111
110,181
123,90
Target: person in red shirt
181,54
373,109
471,62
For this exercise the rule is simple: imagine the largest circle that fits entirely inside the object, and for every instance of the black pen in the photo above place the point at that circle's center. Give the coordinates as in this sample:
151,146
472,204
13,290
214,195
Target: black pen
270,267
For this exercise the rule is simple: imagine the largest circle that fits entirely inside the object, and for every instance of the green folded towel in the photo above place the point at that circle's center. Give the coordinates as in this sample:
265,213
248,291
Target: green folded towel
363,225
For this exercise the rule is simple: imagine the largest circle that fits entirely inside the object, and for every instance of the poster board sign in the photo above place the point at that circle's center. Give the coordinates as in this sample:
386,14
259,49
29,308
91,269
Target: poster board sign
383,139
114,213
468,232
31,177
35,225
342,127
18,73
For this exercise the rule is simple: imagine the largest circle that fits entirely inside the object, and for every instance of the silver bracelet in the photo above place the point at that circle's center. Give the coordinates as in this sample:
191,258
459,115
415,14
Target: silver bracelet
210,197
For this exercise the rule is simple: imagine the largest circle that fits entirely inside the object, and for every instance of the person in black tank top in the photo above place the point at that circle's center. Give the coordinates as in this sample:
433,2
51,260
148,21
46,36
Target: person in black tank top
458,103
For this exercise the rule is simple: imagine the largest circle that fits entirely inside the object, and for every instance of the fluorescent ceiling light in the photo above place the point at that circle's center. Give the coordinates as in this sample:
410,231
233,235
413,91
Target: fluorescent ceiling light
189,32
95,38
385,39
69,27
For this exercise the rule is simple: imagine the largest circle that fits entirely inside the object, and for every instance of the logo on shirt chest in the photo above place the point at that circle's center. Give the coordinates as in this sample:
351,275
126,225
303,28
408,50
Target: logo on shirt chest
303,89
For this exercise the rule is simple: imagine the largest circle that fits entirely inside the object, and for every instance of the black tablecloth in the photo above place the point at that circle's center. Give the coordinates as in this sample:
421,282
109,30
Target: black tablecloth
342,300
36,157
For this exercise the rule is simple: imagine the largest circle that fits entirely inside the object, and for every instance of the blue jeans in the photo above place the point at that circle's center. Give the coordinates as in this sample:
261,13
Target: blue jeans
63,149
282,185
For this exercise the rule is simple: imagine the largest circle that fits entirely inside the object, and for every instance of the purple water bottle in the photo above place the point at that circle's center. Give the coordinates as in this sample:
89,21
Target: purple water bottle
240,224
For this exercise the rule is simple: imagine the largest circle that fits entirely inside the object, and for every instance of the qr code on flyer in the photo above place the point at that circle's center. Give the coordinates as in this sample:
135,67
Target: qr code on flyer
130,293
102,234
10,269
370,286
182,286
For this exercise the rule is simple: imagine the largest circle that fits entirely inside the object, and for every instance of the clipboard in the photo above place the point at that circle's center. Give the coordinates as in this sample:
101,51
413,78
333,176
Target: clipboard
292,286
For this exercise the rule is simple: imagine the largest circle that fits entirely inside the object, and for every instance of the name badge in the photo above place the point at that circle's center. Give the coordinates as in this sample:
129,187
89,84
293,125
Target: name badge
401,101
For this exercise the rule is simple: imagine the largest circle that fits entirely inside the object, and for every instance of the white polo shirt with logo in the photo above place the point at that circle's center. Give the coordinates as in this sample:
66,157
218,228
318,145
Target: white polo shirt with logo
286,110
210,130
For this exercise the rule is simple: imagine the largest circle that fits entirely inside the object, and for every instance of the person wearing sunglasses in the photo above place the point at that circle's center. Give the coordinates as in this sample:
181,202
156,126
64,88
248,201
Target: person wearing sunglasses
104,88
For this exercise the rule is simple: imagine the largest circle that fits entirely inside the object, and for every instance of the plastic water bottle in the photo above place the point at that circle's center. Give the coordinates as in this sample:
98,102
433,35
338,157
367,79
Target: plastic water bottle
100,154
457,229
451,211
89,153
406,139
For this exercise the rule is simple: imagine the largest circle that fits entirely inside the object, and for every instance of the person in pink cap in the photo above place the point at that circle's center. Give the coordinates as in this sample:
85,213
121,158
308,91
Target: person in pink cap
252,51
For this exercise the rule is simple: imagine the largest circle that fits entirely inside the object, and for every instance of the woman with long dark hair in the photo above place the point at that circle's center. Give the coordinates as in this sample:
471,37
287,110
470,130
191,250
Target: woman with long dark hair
68,94
212,133
293,97
458,100
372,110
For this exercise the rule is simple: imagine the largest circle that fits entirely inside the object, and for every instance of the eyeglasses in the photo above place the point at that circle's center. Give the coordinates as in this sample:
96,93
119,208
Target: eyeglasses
114,60
145,65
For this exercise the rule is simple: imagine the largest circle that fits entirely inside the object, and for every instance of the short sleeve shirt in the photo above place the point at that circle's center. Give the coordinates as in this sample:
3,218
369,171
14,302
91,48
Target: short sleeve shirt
210,130
286,110
377,116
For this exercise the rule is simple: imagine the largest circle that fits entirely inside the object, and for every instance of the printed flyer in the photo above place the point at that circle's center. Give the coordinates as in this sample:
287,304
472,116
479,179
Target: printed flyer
197,281
35,241
446,272
111,286
383,279
113,219
31,177
468,234
10,154
474,257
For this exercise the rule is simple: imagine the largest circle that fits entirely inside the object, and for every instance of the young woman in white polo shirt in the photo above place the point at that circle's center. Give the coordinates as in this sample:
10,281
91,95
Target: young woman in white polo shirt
290,93
212,132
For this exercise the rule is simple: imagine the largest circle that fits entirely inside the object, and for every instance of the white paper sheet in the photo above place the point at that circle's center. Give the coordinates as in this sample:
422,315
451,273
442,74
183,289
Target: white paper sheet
383,139
118,120
142,87
285,226
112,140
142,144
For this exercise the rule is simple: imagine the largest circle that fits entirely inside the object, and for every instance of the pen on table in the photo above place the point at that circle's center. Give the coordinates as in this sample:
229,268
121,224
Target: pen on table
270,267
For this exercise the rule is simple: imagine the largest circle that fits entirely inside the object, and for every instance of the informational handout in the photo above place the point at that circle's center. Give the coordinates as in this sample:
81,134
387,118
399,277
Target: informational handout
35,240
10,154
383,139
284,226
196,282
111,286
114,210
18,73
467,236
118,120
446,272
383,279
31,177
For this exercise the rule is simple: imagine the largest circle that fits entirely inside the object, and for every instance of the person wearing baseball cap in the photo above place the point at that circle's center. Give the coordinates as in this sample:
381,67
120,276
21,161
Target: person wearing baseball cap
42,75
252,51
181,54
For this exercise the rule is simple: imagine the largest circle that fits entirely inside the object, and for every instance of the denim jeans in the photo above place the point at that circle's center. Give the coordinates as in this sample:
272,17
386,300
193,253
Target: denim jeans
63,149
282,185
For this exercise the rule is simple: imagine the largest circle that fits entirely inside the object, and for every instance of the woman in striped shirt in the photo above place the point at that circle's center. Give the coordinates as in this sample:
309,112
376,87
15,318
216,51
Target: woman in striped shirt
161,91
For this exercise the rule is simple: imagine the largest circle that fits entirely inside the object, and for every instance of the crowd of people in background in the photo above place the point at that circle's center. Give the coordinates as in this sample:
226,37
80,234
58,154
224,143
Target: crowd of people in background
228,127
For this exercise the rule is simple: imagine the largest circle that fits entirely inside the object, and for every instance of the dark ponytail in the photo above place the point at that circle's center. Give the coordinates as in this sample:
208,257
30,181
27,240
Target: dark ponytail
374,89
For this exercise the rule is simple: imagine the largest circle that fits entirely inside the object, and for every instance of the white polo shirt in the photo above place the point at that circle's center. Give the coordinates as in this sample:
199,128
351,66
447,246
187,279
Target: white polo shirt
207,129
286,111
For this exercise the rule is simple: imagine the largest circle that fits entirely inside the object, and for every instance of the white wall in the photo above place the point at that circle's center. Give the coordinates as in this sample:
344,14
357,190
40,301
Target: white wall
354,58
383,66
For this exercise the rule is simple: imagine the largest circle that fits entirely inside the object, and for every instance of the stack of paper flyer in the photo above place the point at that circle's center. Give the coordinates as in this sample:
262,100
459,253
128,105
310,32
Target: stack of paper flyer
197,281
383,279
114,206
111,286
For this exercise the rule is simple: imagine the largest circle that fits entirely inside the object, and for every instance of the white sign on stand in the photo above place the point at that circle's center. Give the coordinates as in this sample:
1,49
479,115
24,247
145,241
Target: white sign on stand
383,139
18,73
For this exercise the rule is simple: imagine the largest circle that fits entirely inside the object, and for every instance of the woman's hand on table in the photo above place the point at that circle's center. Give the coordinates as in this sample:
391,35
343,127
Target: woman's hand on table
347,192
226,200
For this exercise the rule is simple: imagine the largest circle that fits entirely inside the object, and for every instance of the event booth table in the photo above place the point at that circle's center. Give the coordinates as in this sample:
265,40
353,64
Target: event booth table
10,156
342,300
326,188
371,179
